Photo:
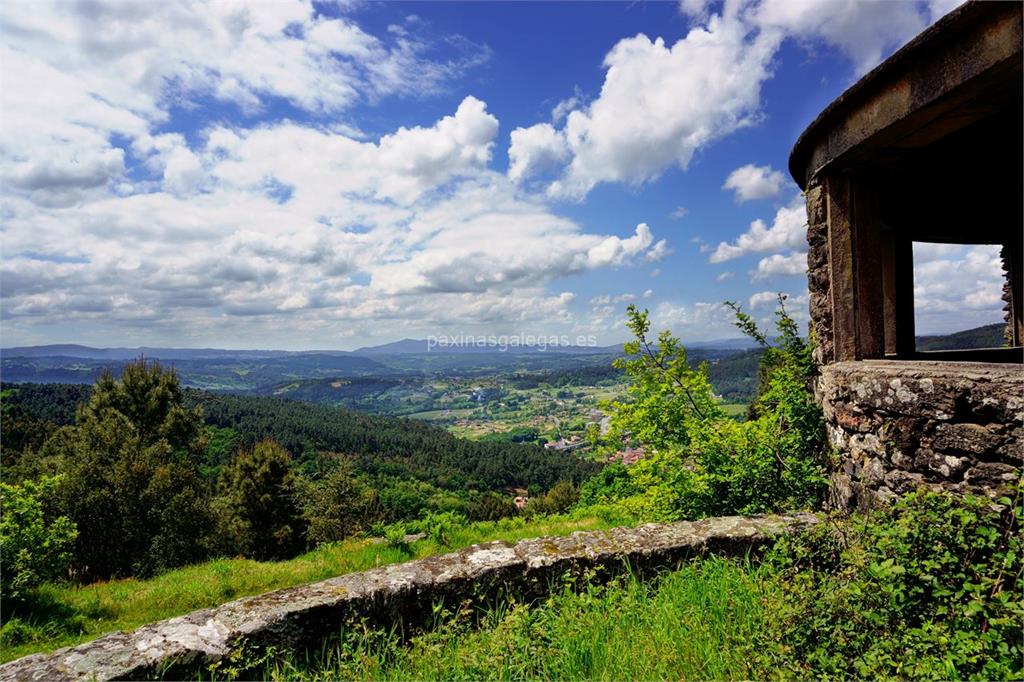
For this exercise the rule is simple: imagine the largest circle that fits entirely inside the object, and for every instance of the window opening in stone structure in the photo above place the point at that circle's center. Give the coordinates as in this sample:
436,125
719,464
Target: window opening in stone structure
959,292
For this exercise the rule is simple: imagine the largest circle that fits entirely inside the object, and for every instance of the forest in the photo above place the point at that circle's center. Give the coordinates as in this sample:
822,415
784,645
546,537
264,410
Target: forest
143,482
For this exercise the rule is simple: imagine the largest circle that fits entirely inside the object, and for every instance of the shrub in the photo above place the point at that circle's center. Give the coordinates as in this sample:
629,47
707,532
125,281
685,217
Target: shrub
34,546
259,513
700,462
395,537
930,588
440,526
338,506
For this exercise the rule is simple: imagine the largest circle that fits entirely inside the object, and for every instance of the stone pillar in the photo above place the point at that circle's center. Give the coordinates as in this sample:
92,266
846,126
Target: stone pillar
818,275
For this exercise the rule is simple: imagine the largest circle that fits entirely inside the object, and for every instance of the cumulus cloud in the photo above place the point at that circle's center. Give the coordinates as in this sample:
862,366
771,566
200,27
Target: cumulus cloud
788,230
762,298
660,250
698,321
751,182
78,74
535,148
659,104
956,287
863,31
608,299
781,264
679,212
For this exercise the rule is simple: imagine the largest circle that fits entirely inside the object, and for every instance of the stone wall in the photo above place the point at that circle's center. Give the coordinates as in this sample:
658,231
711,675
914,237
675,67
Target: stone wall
818,273
398,594
899,425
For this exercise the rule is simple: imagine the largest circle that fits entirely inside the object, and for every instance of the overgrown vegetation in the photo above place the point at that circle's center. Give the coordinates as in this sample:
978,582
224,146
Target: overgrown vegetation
702,463
63,613
691,624
929,589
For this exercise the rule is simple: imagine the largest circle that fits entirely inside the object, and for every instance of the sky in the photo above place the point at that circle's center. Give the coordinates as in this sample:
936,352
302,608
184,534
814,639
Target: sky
297,175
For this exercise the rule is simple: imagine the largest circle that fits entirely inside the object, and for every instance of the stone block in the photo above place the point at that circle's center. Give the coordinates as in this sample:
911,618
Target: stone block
973,439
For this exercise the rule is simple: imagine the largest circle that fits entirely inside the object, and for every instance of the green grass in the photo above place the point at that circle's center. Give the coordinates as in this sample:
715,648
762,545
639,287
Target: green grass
734,409
694,623
67,615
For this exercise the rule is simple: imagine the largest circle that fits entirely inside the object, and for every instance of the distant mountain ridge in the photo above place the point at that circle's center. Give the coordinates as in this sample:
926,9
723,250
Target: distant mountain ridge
988,336
71,350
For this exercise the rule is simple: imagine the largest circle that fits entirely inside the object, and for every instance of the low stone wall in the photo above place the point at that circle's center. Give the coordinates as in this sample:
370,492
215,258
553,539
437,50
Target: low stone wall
401,593
899,425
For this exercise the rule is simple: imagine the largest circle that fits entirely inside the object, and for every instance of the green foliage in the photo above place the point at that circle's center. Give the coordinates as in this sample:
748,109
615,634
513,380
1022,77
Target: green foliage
930,588
338,506
258,505
395,537
700,462
491,507
557,500
689,624
131,481
63,615
440,527
35,546
668,401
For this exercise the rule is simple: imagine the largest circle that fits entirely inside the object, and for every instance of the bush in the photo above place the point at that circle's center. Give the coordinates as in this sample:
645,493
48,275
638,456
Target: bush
700,462
440,526
259,510
557,500
34,546
395,537
930,588
338,506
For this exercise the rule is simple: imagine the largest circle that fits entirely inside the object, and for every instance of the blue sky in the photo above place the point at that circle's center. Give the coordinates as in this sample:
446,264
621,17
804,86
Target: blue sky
329,175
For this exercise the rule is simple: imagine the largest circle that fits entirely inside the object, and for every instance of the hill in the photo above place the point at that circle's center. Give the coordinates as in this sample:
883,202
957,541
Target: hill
988,336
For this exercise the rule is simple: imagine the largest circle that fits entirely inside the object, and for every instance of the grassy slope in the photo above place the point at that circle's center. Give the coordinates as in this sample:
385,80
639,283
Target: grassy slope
695,623
76,614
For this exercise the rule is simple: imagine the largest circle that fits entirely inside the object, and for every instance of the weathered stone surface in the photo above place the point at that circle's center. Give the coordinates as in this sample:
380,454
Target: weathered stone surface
302,616
899,425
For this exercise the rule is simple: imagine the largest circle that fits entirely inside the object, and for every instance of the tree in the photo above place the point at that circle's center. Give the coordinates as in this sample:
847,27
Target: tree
338,506
258,503
700,462
35,546
130,478
668,400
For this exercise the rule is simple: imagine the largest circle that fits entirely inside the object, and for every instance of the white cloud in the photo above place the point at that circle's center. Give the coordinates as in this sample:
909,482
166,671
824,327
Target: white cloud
660,250
679,212
788,231
697,321
956,287
794,263
724,276
648,293
562,109
751,182
762,298
534,149
659,104
863,31
76,74
608,299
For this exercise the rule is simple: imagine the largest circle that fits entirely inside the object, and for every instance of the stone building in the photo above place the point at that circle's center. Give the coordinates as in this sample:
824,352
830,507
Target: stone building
925,148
